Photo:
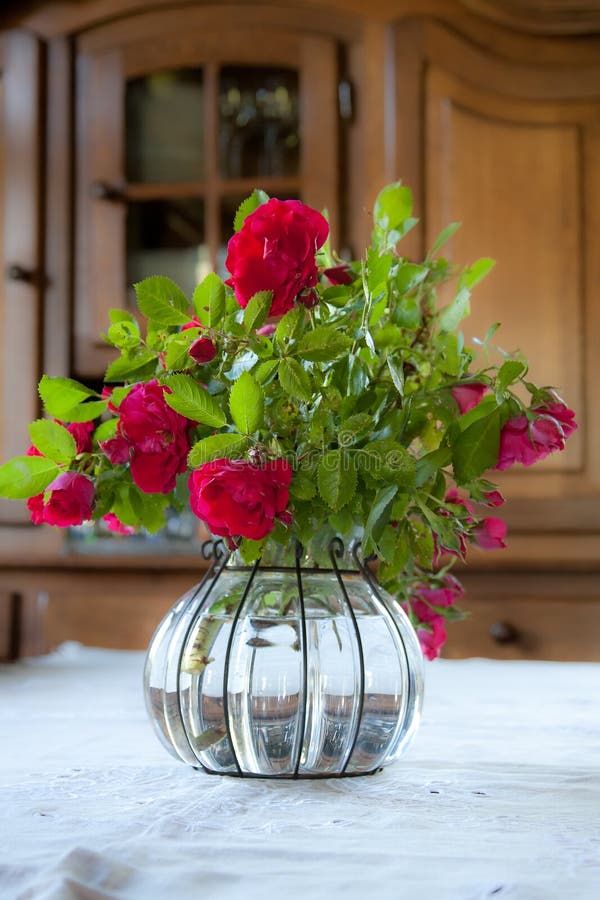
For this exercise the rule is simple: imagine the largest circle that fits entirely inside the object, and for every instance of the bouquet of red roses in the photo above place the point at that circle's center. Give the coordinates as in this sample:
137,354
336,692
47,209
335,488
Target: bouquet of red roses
303,397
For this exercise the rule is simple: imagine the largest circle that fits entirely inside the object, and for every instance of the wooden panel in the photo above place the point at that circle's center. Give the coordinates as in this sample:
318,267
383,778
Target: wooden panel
513,177
20,337
551,617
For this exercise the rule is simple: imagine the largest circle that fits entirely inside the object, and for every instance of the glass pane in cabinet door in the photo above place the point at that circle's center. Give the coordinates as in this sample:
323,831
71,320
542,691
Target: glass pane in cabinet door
166,237
259,127
164,129
229,207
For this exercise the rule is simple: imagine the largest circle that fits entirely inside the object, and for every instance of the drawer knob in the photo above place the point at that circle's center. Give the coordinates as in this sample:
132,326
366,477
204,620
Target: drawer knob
504,633
19,273
102,190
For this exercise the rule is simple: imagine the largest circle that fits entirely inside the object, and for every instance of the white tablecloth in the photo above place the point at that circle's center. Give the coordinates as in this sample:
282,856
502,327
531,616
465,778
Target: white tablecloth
498,796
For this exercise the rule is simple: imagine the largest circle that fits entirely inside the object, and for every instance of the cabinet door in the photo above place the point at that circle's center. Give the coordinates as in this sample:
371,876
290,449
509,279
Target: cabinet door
20,248
512,150
174,129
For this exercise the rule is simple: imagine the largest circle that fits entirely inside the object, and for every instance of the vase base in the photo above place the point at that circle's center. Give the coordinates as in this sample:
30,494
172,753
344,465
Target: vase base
308,777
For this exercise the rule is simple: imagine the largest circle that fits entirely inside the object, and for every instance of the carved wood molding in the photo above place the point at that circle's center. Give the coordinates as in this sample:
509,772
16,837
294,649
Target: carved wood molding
540,16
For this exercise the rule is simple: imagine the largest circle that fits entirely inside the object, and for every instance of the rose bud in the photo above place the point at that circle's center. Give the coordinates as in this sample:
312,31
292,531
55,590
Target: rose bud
203,351
309,298
339,275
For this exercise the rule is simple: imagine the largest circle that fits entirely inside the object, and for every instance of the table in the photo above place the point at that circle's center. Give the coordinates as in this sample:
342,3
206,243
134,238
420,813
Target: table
498,796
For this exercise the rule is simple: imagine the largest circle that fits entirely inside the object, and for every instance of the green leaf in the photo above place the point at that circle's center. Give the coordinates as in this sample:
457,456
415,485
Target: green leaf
53,440
421,543
378,517
26,476
62,394
452,315
161,300
127,365
387,460
354,427
336,479
149,508
252,550
217,446
85,412
247,206
257,310
209,300
444,236
124,335
397,374
178,351
295,380
509,372
120,315
106,430
322,344
247,404
475,273
409,275
476,448
265,370
393,207
378,269
431,463
290,326
302,487
193,401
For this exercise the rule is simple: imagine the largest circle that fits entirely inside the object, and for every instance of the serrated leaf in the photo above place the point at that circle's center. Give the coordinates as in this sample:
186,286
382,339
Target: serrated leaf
509,372
177,355
323,344
120,315
289,326
26,476
378,269
409,275
191,400
247,404
397,375
247,206
387,460
148,508
452,315
302,487
106,430
475,273
431,463
444,236
53,440
161,300
257,310
336,479
127,365
208,300
216,446
393,207
378,517
61,394
476,448
265,370
85,412
295,380
354,427
124,335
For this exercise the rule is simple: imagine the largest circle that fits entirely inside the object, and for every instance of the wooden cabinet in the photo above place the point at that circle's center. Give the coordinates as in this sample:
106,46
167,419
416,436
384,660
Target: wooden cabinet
123,155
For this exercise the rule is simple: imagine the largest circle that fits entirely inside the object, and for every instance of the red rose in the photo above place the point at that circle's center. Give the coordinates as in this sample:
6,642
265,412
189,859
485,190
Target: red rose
202,351
116,526
275,251
152,437
468,395
489,534
341,274
66,501
433,638
238,499
493,498
528,442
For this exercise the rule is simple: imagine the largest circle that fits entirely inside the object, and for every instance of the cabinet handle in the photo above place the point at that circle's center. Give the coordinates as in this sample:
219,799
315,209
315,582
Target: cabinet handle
102,190
15,272
504,633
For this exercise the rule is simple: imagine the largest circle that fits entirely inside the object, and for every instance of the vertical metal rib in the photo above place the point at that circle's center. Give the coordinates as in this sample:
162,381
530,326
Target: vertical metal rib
375,588
336,551
302,721
227,659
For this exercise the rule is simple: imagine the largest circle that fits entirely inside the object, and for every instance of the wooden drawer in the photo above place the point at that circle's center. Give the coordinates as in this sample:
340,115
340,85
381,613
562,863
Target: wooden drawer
529,616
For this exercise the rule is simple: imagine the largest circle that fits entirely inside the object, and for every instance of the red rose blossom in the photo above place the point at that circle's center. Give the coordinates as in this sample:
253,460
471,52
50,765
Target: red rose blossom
152,437
68,500
468,396
341,274
527,442
275,251
238,499
202,351
489,534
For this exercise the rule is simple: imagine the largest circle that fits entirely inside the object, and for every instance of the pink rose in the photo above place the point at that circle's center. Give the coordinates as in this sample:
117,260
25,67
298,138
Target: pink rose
489,534
267,330
433,640
528,442
493,498
66,501
203,351
152,437
341,274
444,595
238,499
115,525
275,251
468,395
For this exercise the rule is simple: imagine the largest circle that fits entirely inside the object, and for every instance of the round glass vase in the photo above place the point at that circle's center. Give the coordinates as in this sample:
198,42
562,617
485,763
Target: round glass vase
293,667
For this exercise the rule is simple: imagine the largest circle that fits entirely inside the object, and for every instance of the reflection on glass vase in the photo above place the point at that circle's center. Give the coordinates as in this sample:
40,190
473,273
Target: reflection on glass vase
294,667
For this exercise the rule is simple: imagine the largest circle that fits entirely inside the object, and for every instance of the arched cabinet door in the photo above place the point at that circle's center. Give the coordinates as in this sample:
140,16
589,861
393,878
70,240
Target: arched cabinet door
511,148
179,118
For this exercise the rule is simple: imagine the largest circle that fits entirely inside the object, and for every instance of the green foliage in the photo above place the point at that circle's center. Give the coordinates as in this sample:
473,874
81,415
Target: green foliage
247,404
216,446
52,440
162,301
248,206
209,301
25,476
189,399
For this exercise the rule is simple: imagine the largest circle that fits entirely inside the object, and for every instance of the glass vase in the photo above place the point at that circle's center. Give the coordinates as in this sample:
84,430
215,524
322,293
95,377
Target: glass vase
293,667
